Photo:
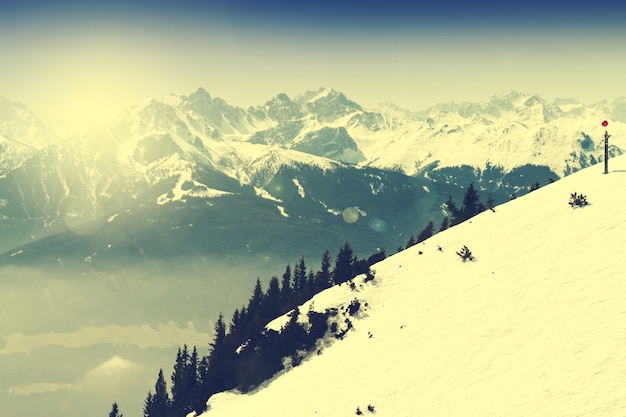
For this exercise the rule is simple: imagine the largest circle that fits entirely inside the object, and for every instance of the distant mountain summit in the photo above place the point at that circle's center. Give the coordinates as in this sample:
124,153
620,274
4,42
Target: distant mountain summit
291,162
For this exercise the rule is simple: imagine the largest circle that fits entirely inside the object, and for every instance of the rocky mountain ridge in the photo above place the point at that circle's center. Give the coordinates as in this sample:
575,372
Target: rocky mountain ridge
303,159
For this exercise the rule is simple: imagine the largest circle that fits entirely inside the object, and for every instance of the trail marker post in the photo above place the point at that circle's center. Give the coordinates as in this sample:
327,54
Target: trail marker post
606,148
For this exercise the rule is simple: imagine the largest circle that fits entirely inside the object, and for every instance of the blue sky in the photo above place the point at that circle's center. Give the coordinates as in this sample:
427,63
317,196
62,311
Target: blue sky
70,60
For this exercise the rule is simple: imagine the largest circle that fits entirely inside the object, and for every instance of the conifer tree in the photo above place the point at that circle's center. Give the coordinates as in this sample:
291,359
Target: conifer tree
286,288
426,232
453,211
216,379
445,223
323,276
344,264
310,285
148,405
161,405
272,305
255,306
299,280
115,411
471,204
179,388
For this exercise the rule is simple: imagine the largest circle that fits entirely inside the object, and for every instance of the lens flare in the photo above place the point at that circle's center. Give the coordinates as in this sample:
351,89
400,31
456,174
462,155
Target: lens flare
350,215
378,225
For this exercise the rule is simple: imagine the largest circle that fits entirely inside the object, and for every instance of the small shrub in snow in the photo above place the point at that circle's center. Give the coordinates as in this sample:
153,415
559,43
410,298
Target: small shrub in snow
465,254
370,275
354,307
578,200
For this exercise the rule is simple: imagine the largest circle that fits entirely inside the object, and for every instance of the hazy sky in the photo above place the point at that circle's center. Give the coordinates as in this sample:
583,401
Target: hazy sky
70,60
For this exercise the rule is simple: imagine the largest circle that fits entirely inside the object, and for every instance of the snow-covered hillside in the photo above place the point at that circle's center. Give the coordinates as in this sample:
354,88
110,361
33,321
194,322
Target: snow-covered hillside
534,326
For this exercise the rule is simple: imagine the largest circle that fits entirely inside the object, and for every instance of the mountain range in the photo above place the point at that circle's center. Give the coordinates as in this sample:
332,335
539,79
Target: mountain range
194,176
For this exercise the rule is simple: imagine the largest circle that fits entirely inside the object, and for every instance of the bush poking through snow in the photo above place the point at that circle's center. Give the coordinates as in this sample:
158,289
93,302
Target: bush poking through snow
354,307
465,254
578,200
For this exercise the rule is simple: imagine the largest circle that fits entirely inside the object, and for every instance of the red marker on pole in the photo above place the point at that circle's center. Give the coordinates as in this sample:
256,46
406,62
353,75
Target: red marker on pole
606,148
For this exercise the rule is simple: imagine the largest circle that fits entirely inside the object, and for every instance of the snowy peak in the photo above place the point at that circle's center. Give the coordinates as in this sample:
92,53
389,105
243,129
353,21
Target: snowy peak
327,105
282,109
19,125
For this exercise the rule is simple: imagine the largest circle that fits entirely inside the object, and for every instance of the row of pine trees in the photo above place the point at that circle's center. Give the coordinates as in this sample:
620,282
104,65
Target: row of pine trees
228,366
454,215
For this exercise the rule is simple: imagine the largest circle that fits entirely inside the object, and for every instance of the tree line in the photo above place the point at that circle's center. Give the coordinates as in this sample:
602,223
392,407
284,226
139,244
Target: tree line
454,214
243,355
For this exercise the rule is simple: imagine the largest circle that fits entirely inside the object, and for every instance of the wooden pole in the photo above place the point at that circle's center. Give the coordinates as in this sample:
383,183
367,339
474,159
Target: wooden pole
606,152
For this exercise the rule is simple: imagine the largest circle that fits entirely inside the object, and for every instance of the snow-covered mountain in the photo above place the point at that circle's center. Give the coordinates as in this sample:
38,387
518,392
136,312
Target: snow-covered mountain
175,165
22,133
531,324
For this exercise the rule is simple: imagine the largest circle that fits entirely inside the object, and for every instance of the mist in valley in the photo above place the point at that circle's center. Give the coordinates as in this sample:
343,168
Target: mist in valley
74,339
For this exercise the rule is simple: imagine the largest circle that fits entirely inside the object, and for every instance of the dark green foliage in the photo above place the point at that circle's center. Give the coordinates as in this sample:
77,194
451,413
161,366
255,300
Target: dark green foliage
578,200
185,381
465,254
272,303
426,232
445,223
286,286
452,209
344,264
115,412
354,307
246,354
299,278
471,204
323,279
370,276
147,405
471,207
160,404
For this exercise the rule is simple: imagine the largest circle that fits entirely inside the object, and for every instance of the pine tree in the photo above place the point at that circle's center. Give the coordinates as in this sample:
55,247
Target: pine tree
343,264
218,359
161,404
179,388
323,276
272,304
310,285
411,242
148,406
299,281
452,210
471,204
286,288
426,232
115,411
445,223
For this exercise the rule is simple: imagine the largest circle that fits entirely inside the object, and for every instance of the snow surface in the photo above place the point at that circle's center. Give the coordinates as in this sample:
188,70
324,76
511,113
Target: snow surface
535,326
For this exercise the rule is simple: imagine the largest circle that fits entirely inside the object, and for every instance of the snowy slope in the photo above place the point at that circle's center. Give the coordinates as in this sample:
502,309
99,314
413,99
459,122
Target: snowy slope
535,326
